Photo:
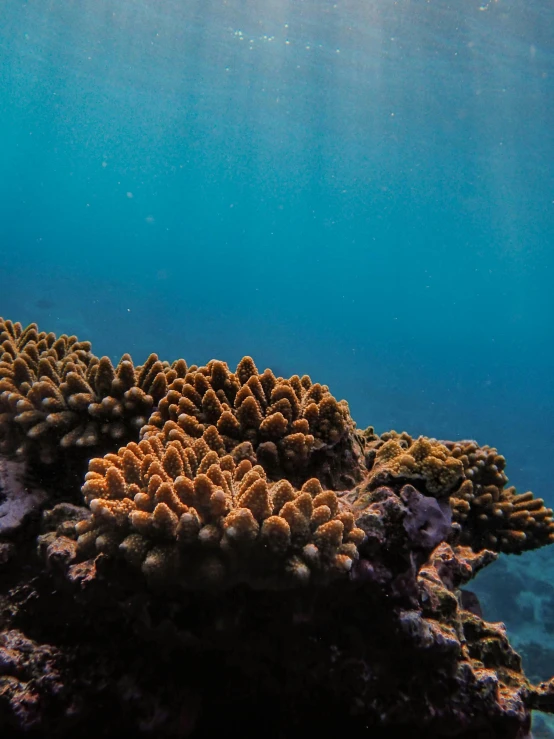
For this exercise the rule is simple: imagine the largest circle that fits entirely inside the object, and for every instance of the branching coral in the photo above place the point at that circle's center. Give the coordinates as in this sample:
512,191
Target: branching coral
55,394
490,515
213,518
296,428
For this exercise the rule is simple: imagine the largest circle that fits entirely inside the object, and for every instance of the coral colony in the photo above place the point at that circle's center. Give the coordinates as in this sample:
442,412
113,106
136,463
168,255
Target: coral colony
227,543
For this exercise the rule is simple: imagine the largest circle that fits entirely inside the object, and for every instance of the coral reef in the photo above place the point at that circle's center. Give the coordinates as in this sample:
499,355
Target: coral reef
389,646
296,428
239,534
56,395
485,513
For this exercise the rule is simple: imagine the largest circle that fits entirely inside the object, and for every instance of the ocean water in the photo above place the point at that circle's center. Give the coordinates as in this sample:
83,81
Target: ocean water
359,190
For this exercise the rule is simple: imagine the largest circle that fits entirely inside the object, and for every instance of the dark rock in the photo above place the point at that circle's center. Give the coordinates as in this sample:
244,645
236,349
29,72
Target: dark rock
18,501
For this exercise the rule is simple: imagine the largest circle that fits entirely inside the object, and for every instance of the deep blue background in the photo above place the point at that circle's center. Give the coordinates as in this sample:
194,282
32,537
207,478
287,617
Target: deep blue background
362,191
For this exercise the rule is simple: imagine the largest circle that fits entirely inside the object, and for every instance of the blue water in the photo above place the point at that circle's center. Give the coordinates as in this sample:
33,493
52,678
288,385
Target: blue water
360,190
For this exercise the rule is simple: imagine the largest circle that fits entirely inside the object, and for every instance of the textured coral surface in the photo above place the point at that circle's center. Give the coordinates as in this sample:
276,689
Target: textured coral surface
491,514
56,395
195,513
240,558
295,427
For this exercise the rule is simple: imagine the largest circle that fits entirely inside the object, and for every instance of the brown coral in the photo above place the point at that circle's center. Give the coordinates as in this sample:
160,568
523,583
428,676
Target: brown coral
212,518
296,428
487,513
55,394
226,487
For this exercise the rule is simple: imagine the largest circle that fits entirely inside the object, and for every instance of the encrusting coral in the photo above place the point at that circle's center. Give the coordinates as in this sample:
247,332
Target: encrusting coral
210,518
296,428
424,462
56,395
